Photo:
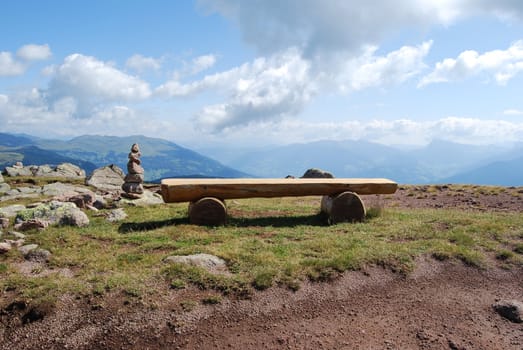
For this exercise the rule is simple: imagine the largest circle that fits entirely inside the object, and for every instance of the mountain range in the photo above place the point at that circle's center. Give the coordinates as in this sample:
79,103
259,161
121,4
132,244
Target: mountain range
160,158
437,162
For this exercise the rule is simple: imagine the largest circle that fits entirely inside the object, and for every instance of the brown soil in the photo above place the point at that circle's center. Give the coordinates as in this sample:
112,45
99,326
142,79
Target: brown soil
441,305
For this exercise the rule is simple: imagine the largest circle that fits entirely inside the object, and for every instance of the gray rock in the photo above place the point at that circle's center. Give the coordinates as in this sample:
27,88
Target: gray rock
5,247
18,171
207,261
58,189
66,170
107,178
75,218
17,234
32,224
26,249
510,309
28,190
38,255
11,210
56,213
18,193
317,173
69,170
4,222
4,188
145,199
82,201
133,188
116,215
41,170
16,243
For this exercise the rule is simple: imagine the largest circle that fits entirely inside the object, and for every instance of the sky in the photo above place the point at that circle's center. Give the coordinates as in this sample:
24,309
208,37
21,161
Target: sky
264,72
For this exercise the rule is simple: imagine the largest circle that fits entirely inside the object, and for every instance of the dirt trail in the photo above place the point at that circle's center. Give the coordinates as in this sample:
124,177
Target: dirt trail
440,306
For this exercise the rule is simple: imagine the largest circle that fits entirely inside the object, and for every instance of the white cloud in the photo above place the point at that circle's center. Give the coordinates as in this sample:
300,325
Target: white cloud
34,52
141,63
9,66
202,63
92,82
269,88
500,64
512,111
281,84
31,113
369,70
324,27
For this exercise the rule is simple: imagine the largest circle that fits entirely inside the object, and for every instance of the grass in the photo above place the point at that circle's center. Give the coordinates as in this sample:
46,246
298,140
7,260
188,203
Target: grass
266,242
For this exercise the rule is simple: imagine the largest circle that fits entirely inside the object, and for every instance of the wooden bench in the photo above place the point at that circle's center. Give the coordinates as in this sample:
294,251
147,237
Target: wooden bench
340,201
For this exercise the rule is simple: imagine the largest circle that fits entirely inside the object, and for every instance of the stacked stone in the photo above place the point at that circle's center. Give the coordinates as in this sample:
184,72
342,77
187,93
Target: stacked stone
133,181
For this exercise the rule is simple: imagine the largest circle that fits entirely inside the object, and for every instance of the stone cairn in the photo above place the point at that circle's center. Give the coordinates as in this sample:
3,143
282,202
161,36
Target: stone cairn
132,185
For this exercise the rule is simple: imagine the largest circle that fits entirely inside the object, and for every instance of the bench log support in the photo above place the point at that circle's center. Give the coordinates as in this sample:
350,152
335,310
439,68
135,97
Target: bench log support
344,207
208,211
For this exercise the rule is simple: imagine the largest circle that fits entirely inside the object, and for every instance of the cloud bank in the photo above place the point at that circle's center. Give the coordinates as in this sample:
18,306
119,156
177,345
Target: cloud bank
305,49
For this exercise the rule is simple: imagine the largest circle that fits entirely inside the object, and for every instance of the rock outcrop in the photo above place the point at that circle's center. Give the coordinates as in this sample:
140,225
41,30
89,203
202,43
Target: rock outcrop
107,178
55,213
3,186
317,173
65,170
512,310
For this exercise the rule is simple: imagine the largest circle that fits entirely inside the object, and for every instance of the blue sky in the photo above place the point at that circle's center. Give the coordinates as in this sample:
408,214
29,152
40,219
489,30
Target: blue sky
233,72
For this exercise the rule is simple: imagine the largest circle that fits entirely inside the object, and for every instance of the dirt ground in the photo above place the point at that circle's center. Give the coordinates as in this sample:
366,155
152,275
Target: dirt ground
441,305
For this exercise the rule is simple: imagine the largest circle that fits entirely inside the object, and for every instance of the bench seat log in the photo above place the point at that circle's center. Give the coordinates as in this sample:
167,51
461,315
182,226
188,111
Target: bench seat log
190,190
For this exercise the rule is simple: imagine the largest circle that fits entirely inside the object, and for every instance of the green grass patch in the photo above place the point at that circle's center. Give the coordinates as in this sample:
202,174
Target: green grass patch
267,242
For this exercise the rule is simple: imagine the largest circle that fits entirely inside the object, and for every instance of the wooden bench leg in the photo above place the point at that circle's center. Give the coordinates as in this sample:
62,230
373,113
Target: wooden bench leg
208,211
344,207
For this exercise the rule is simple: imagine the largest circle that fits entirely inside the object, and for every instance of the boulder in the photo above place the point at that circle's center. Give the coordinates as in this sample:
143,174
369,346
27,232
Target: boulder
4,222
83,201
38,224
145,199
26,249
107,178
69,170
512,310
116,215
4,188
5,247
11,210
1,178
56,213
38,255
18,171
317,173
66,170
16,234
207,261
20,192
63,191
41,170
